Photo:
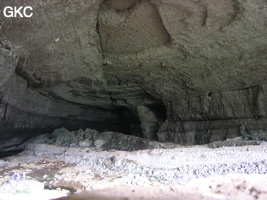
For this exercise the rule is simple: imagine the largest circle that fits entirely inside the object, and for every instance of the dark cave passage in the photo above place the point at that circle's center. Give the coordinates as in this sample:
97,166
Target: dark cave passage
130,123
144,121
4,154
159,109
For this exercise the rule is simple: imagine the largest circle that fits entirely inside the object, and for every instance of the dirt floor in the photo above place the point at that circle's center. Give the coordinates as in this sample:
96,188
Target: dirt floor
228,173
234,187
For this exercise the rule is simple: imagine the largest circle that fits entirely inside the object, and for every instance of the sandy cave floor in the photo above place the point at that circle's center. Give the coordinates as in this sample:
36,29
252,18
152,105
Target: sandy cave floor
53,176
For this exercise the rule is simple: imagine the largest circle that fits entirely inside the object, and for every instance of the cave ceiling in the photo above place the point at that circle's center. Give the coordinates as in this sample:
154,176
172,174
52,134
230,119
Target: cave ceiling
90,52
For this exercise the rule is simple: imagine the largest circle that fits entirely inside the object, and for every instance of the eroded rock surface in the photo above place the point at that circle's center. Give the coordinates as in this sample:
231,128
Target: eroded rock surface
200,66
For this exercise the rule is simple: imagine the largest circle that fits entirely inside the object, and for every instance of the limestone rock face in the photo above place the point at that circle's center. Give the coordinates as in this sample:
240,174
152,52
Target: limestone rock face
199,66
149,122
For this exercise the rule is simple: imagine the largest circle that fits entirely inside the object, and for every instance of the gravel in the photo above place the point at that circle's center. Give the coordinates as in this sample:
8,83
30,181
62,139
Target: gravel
166,166
93,168
164,163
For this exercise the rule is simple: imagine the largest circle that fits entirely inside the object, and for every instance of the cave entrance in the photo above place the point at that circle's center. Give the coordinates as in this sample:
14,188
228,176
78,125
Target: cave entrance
144,121
151,117
130,123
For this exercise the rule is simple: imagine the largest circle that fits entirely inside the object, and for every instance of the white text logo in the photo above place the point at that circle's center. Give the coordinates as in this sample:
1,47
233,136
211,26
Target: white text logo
18,12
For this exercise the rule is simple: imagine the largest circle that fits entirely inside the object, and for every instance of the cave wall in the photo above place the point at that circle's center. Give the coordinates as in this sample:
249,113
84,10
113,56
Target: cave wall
211,74
219,116
25,113
85,63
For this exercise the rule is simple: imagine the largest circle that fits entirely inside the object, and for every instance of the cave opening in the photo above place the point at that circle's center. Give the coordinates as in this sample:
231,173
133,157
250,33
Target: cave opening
130,123
159,109
144,121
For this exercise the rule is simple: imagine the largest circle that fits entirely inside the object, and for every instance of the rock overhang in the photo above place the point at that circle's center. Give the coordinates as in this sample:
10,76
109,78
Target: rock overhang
203,60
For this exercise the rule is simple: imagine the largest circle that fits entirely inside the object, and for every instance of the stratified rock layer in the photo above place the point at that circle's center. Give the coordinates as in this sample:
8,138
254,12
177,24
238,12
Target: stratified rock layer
198,66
